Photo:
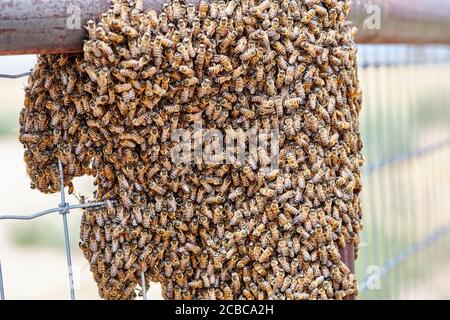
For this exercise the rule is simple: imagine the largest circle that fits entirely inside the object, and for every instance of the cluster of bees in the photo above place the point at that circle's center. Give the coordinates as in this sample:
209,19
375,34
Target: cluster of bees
51,123
207,231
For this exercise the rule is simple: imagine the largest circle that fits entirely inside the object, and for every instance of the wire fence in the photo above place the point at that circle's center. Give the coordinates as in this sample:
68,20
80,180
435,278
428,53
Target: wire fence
14,76
405,125
63,209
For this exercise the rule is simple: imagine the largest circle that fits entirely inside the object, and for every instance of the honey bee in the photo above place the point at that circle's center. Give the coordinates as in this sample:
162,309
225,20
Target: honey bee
247,295
204,89
228,41
330,3
91,27
291,160
321,195
105,49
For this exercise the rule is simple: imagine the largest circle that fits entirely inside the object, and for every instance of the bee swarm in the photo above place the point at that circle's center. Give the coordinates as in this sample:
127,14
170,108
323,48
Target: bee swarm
205,231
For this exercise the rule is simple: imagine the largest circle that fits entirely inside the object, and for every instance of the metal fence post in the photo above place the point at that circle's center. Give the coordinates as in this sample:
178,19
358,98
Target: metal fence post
144,289
64,209
2,291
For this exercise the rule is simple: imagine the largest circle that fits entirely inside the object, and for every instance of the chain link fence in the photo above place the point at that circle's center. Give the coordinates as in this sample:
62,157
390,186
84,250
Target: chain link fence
405,124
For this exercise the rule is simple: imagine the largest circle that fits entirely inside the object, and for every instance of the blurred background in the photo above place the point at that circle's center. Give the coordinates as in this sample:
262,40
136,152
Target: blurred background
405,126
405,245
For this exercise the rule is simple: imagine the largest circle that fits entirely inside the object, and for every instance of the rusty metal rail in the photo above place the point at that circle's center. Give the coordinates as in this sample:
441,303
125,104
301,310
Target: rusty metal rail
55,26
402,21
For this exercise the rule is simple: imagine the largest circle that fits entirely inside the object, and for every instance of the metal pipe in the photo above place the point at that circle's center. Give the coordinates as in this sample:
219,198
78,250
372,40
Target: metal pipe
401,21
55,26
50,26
